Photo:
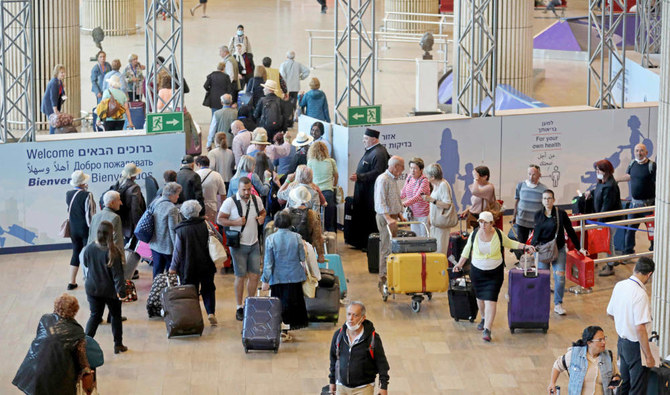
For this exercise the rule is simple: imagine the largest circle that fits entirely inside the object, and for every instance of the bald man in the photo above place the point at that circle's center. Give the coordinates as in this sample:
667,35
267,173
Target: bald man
641,173
241,141
388,207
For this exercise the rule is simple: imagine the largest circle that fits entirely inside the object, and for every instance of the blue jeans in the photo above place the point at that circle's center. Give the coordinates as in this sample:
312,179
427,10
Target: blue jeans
559,279
161,262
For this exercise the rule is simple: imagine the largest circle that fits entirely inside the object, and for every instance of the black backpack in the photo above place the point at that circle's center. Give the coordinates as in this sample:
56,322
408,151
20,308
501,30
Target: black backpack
300,222
271,117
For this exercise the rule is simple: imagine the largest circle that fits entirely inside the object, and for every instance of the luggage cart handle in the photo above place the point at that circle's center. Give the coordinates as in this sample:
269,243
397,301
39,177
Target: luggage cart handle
402,223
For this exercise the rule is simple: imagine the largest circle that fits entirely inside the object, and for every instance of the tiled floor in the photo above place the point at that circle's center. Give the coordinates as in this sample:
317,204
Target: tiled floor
429,353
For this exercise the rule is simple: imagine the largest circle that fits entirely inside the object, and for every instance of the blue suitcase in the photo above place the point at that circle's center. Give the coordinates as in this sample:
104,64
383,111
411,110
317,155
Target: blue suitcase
334,263
529,299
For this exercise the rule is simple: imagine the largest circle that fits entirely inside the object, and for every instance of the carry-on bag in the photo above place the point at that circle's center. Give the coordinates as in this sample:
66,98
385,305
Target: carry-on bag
261,328
181,311
144,251
457,242
154,304
330,242
580,269
373,253
348,222
462,300
417,272
403,244
325,305
529,298
334,263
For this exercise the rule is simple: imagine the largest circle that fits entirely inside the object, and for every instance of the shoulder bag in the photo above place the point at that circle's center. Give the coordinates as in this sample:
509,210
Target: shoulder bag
65,226
216,250
548,252
445,218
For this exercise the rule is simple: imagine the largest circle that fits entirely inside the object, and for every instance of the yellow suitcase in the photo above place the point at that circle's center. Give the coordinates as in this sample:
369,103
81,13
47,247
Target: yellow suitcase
421,272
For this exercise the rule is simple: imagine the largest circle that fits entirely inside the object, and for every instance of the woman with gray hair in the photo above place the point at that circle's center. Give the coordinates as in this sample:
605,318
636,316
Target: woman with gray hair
191,260
81,208
116,120
134,78
245,168
442,210
303,176
166,218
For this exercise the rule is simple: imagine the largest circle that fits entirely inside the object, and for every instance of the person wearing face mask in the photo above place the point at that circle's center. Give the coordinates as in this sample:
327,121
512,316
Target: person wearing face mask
240,38
357,356
527,203
589,364
641,173
606,197
629,307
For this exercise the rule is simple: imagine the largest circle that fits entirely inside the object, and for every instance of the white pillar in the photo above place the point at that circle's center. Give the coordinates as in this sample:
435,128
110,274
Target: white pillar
115,17
412,6
515,44
660,293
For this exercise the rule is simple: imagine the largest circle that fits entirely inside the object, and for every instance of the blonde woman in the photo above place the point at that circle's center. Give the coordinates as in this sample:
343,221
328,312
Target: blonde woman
314,103
324,170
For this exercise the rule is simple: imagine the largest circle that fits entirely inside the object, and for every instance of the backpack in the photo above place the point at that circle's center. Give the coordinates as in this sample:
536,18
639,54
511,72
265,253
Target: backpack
124,210
300,222
271,117
650,165
272,205
371,346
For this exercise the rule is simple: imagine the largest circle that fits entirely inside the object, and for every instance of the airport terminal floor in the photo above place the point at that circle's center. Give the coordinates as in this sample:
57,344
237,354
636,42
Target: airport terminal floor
428,352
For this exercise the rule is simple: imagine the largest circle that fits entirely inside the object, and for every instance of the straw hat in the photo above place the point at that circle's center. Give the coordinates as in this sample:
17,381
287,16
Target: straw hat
271,84
302,139
299,195
130,170
79,178
260,137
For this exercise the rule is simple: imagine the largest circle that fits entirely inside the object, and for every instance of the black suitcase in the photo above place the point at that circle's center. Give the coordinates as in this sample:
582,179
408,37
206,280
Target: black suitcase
261,329
325,305
348,218
181,311
658,381
406,244
462,301
457,242
373,253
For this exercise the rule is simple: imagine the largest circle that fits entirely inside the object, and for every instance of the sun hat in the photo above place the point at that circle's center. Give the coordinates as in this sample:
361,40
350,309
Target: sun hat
299,196
302,139
485,216
260,137
271,84
130,170
78,177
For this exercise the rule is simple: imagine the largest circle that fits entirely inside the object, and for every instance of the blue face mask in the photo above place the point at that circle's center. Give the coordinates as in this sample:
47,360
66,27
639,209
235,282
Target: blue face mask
240,33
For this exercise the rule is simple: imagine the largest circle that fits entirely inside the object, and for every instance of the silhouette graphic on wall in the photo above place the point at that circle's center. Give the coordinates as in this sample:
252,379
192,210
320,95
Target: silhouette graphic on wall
555,176
467,179
20,233
450,160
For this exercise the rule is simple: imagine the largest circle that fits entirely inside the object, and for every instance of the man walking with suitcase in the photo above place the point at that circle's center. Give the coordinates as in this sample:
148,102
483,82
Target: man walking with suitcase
528,202
357,356
630,309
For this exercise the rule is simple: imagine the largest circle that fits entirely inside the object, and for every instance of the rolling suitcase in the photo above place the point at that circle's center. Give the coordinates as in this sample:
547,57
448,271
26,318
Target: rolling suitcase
403,243
348,221
529,299
137,113
325,305
417,273
261,328
154,304
457,242
334,263
373,253
658,380
462,300
181,310
330,241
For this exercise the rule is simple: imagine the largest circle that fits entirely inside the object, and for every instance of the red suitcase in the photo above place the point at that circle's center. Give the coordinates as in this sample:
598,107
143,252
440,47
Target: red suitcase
580,269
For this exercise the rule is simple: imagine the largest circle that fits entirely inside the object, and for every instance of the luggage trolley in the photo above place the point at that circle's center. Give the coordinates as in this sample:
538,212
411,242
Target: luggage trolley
417,283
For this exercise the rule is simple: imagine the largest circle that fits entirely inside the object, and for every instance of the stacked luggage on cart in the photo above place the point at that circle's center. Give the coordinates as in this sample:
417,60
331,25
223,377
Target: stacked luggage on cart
414,268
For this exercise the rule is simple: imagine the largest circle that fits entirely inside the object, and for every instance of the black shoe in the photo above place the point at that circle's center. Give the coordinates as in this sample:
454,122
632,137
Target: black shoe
480,326
136,275
70,287
121,348
239,314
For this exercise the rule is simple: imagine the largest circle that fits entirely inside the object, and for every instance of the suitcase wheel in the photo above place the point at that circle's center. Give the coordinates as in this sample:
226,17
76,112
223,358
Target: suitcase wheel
276,350
472,319
416,306
246,350
544,330
456,319
511,330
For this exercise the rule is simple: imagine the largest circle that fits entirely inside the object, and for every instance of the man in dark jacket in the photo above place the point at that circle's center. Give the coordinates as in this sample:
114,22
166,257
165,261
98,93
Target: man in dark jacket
373,163
191,184
133,204
357,355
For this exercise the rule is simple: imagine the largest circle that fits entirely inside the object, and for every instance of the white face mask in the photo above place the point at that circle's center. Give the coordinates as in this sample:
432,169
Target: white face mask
530,184
600,176
354,328
640,160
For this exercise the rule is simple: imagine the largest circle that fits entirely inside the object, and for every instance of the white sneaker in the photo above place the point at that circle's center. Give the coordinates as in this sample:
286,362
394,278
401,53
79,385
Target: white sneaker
558,309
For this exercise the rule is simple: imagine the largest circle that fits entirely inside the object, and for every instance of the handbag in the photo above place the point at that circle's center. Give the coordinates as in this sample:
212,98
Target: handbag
131,292
94,353
65,226
113,106
496,209
216,250
548,252
445,217
310,264
339,195
144,230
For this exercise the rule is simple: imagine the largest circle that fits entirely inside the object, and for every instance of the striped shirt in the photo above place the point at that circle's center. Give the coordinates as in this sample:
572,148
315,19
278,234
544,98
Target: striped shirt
387,195
530,203
411,195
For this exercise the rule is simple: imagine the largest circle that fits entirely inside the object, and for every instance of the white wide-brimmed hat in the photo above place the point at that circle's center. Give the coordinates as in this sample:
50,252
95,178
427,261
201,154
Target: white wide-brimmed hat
130,170
260,137
299,195
271,84
79,178
302,139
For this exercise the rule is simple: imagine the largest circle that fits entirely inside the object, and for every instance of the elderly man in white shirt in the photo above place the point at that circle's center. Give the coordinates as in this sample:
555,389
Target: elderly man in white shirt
630,309
293,72
213,188
241,141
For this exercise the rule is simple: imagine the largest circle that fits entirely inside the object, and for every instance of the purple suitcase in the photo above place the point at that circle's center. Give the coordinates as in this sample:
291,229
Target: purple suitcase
529,299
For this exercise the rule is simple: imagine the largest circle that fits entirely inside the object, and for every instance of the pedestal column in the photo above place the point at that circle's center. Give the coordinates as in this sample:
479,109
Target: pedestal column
515,44
56,35
115,17
412,23
660,294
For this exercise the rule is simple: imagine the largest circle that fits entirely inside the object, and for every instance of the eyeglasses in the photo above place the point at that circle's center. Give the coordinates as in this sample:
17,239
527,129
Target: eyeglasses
604,339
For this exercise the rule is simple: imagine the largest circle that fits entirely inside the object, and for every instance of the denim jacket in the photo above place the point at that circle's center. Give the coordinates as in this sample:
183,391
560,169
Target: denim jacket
283,253
579,365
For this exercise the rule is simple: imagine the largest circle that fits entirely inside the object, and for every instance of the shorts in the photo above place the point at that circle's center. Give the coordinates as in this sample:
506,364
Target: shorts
246,259
203,1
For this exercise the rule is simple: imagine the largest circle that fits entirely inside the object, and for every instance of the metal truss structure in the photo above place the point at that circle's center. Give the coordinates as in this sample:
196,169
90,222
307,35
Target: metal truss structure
163,38
354,55
607,62
17,100
648,34
475,63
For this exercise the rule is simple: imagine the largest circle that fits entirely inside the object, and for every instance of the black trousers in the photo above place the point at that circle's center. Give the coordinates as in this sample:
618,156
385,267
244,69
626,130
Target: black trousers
633,373
78,243
97,308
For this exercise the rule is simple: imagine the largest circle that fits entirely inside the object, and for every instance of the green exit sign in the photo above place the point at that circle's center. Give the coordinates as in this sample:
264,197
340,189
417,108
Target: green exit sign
165,122
365,115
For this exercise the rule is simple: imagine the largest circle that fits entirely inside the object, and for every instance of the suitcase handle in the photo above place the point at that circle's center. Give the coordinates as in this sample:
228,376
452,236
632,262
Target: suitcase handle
402,223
